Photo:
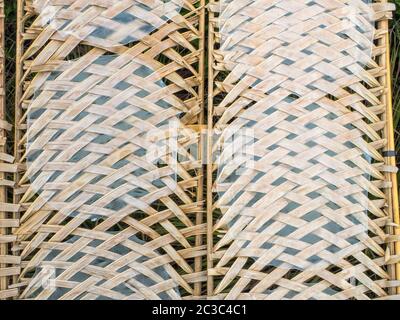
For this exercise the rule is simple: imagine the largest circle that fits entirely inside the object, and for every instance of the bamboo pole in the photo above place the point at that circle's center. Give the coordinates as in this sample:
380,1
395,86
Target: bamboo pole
175,50
198,287
9,263
210,164
18,116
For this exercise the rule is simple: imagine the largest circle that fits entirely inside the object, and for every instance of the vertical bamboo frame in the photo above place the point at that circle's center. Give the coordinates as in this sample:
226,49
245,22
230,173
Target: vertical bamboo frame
210,164
9,263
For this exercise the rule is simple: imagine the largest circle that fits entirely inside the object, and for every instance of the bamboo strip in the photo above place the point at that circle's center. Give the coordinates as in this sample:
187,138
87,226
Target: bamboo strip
360,286
3,196
8,262
171,220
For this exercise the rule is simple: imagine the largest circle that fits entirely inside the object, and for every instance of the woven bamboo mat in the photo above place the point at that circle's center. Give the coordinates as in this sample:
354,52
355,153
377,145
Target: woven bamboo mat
306,210
109,156
102,85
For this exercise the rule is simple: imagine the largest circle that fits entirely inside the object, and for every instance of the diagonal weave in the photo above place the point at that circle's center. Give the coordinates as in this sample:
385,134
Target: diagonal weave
100,218
307,216
9,263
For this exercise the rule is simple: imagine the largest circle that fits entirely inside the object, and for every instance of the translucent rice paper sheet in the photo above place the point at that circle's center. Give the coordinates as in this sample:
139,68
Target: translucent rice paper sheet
135,279
263,42
104,132
109,23
106,135
290,196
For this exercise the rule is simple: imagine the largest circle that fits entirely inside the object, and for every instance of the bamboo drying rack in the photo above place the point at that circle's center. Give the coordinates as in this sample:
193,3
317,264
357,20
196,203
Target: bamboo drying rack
30,233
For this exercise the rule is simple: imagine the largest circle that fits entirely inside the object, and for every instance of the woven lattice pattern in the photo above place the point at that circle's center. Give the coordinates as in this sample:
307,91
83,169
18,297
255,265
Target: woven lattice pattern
103,22
305,218
106,215
108,194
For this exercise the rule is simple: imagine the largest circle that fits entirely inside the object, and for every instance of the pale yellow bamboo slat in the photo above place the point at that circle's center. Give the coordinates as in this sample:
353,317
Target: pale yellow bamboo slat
247,262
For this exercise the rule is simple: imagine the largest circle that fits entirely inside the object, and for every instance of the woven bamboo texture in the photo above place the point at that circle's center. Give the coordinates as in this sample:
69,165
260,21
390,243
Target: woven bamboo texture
116,225
312,217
